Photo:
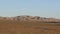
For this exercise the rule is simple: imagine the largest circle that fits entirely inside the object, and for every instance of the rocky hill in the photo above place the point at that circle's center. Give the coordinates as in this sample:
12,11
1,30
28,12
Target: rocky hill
31,18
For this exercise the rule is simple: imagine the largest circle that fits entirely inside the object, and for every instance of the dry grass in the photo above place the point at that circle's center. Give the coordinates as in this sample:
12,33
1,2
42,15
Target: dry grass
20,27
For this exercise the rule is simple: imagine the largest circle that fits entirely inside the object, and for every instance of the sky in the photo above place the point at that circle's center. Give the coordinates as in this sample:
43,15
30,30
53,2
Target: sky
43,8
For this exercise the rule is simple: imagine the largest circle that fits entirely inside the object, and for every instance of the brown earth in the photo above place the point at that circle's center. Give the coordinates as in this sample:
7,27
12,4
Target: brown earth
23,27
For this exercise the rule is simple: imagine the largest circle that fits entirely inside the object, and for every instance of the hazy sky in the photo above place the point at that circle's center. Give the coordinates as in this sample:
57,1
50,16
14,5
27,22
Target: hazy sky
44,8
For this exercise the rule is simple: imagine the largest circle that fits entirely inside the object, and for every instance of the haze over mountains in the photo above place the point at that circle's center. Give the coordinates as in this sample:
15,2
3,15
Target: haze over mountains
31,18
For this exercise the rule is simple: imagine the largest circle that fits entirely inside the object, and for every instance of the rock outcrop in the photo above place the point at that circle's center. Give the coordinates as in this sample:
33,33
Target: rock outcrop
31,18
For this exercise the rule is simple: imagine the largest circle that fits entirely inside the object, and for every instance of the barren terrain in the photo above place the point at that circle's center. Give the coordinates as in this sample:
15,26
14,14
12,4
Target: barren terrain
28,27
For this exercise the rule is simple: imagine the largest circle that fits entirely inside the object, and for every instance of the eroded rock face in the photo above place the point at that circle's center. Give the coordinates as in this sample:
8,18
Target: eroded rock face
31,18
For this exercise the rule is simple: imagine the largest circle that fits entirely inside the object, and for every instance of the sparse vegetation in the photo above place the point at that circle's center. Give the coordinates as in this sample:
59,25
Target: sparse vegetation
28,27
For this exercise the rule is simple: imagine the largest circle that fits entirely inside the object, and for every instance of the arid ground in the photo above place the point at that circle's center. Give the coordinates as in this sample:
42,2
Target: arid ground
23,27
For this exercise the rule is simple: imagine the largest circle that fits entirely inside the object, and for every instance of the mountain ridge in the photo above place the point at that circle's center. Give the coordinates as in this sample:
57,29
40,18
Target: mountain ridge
31,18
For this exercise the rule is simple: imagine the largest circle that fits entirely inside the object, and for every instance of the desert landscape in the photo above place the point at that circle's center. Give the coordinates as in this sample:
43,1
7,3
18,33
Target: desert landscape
29,17
29,25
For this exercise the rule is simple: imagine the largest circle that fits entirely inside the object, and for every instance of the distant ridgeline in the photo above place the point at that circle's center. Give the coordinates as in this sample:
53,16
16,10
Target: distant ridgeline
31,18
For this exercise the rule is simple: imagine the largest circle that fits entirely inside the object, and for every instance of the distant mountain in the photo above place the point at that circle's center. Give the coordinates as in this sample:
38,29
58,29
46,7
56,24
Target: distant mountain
31,18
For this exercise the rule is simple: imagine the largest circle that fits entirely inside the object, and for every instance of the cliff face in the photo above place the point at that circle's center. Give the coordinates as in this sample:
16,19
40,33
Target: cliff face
31,18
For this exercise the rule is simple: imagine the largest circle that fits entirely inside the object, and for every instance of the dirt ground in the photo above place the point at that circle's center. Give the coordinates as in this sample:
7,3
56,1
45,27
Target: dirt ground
16,27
